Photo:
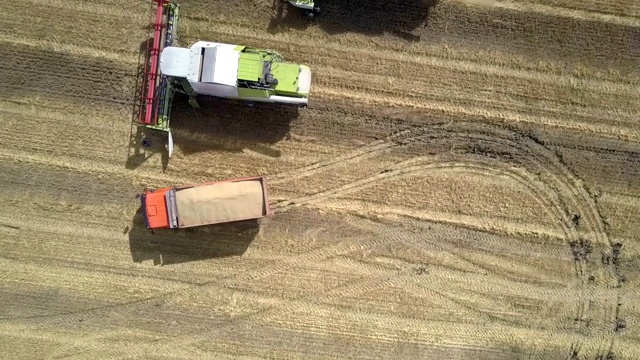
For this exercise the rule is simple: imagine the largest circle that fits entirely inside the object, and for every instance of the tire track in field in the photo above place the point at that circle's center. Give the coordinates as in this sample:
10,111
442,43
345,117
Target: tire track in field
530,156
574,195
314,302
34,71
367,151
403,171
236,283
319,303
404,276
571,204
90,167
71,281
618,18
452,249
90,26
571,235
403,168
408,278
307,302
253,273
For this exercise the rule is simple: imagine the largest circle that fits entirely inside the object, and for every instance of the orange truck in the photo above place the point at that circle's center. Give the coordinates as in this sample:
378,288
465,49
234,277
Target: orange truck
206,204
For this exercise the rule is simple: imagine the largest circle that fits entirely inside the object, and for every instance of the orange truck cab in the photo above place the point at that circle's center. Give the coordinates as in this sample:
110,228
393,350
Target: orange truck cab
206,204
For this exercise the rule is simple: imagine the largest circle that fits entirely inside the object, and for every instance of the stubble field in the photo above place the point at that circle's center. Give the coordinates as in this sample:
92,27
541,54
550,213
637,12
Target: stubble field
464,184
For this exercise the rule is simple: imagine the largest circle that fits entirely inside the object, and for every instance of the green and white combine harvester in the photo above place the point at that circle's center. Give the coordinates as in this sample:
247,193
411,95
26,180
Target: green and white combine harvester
212,69
308,6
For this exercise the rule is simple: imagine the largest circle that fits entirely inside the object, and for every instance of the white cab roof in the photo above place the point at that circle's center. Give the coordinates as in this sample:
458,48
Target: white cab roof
220,63
174,61
204,61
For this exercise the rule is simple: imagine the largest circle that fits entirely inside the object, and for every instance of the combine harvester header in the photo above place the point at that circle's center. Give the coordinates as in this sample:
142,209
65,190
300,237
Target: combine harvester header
212,69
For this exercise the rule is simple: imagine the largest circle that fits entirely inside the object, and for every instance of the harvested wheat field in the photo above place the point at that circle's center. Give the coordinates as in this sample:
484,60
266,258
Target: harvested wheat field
465,184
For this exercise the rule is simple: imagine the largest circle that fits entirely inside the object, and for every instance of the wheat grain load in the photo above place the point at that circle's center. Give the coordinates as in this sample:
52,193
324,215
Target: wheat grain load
220,202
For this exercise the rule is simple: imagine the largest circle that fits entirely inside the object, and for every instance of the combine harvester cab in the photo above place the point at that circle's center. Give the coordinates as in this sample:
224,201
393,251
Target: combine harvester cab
212,69
206,204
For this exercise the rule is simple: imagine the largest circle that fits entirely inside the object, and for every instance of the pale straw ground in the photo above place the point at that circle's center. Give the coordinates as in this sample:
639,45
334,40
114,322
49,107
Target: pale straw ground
464,184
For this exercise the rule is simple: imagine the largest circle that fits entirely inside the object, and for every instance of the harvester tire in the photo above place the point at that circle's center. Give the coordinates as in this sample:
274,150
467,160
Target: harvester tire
310,14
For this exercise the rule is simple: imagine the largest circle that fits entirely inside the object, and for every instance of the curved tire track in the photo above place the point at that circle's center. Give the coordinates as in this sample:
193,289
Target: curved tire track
363,152
519,157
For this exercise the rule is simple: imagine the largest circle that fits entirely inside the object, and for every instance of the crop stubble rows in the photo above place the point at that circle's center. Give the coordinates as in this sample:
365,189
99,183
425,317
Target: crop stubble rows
406,152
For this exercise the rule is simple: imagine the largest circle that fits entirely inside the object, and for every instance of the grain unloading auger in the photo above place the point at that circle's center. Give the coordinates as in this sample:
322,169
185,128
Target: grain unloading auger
212,69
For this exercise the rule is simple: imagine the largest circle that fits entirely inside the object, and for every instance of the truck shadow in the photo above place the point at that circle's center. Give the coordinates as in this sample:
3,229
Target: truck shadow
371,17
174,246
229,125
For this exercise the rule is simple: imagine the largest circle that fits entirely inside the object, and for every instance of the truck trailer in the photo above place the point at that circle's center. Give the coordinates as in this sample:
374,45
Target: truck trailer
206,204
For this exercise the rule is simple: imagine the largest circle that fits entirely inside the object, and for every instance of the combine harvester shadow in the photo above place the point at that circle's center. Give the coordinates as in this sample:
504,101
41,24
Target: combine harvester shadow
230,126
370,17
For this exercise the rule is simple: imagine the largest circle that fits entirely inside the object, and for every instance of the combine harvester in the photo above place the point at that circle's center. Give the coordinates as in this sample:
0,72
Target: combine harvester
308,7
212,69
206,204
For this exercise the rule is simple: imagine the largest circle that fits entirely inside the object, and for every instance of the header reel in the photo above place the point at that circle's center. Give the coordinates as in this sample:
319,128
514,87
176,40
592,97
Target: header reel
157,91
